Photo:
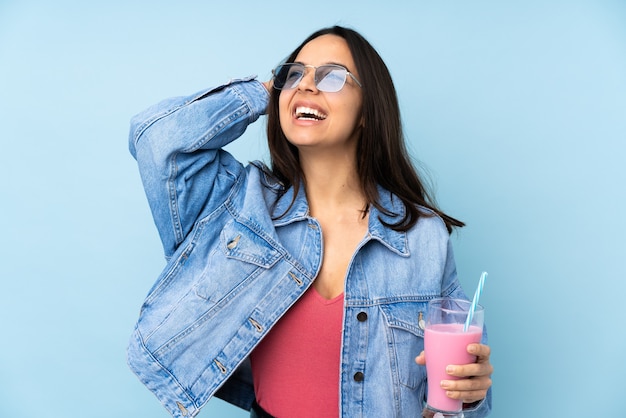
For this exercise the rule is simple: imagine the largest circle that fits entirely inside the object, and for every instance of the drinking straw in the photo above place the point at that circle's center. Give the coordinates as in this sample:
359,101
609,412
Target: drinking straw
479,290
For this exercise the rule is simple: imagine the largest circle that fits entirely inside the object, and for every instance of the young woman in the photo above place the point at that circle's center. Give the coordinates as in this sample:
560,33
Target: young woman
294,290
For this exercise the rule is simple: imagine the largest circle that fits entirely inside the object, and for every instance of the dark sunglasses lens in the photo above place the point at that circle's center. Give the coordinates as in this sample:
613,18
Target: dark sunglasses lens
288,76
330,78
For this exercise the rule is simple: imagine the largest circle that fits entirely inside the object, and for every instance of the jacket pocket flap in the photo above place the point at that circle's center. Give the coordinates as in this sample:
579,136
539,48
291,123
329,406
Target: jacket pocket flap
409,316
239,242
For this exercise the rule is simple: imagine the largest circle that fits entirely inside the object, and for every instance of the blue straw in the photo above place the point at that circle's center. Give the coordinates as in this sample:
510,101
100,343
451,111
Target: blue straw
479,290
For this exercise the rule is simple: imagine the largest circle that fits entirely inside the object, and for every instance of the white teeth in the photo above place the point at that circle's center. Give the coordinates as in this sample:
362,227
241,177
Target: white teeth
308,113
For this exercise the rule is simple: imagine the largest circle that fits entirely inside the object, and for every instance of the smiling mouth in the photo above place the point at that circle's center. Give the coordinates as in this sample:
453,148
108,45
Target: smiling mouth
306,113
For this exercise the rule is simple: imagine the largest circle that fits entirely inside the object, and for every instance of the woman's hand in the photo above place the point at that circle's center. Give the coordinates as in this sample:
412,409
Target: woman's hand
475,378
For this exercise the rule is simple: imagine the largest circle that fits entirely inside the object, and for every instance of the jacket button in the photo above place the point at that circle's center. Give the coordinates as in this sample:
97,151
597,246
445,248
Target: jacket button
359,377
233,243
361,316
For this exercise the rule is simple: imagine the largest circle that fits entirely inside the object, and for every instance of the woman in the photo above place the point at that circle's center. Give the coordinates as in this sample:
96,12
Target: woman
294,290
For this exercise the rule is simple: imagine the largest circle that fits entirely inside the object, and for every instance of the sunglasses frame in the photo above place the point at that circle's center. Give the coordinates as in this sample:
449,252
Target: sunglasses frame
305,66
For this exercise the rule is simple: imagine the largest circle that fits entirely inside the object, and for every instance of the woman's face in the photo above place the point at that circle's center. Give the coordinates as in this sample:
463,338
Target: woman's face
313,118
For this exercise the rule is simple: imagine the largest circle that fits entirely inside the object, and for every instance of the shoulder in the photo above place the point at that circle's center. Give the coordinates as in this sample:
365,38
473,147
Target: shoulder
264,175
430,229
394,209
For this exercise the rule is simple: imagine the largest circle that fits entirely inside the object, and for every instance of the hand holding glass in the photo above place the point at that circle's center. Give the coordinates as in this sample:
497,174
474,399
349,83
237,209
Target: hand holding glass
445,343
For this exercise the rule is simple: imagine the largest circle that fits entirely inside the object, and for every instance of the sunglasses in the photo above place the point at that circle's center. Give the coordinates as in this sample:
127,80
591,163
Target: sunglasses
329,78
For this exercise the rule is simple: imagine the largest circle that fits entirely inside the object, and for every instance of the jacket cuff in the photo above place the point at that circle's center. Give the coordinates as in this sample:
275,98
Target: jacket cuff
478,409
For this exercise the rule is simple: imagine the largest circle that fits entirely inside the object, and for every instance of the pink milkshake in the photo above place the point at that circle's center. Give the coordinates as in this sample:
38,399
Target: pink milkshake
446,344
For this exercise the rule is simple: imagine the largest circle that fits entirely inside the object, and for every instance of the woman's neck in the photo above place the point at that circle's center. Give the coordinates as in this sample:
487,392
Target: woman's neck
332,185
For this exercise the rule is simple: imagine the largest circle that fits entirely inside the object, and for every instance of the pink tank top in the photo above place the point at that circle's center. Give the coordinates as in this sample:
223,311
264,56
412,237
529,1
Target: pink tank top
296,366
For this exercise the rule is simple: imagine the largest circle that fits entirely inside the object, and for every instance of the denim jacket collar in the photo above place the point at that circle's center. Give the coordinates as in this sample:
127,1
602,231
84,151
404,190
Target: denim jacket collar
396,241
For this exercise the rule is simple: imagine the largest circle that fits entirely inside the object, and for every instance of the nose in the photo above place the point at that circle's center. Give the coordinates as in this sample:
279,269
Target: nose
308,80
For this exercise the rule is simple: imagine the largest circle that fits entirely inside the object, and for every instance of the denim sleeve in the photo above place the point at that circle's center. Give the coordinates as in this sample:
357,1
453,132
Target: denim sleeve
177,144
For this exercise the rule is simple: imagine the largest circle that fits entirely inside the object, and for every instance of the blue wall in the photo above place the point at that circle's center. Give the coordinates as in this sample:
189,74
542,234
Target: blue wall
517,109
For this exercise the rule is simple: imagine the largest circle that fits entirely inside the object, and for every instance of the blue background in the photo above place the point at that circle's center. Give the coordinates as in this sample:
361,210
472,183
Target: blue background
516,109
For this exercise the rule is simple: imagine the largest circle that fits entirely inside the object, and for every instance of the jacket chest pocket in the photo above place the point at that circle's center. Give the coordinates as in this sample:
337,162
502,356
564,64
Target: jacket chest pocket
240,256
405,333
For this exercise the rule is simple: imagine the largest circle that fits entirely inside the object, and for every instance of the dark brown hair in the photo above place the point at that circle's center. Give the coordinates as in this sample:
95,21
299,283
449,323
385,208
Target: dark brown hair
382,157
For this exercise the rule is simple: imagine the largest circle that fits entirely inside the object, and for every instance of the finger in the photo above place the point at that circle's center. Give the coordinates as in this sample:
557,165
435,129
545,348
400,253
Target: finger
468,390
421,359
482,351
467,397
470,370
479,384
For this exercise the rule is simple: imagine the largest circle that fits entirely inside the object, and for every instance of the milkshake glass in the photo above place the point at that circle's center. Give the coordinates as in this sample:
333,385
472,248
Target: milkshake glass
445,343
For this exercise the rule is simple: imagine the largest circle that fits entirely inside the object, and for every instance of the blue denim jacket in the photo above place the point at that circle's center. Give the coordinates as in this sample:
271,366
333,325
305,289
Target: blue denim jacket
234,267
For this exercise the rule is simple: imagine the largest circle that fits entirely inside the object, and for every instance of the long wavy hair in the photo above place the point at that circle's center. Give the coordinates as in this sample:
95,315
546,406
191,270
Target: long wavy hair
382,157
